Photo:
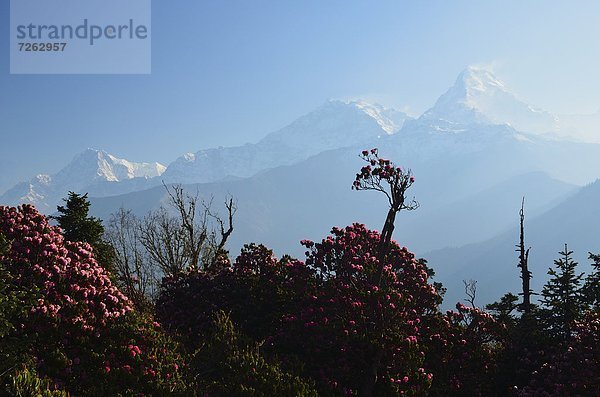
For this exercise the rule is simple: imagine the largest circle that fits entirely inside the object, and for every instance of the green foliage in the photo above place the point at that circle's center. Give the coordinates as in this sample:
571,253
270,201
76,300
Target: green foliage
256,291
15,302
13,307
9,299
438,286
502,310
77,225
4,245
26,383
561,296
229,365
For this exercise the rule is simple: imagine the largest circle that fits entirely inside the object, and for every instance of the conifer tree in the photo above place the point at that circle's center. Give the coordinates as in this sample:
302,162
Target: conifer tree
591,287
561,296
502,309
77,225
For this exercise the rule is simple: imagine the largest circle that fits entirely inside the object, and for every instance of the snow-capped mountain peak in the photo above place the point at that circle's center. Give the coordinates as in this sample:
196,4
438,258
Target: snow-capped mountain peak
112,168
86,169
479,97
390,120
338,123
478,79
333,125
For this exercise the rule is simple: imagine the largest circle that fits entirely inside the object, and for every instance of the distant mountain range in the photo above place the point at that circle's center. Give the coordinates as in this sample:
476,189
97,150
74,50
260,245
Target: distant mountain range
475,154
333,125
476,102
87,169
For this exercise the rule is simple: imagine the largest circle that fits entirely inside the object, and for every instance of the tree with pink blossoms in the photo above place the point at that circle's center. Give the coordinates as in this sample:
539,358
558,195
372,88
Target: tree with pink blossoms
383,176
357,336
78,327
75,292
462,351
363,321
256,290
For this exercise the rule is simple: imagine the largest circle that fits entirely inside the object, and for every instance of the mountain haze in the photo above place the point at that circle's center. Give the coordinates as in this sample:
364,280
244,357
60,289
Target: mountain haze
575,221
475,153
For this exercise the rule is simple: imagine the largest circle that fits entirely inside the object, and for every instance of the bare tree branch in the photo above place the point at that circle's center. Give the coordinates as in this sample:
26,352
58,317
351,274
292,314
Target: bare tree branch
470,291
134,271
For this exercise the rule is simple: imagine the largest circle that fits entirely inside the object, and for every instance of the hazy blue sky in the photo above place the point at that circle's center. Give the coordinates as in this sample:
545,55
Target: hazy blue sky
228,72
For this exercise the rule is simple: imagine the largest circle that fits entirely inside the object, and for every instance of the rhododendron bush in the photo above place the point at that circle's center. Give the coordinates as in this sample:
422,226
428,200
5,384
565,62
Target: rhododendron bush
74,289
325,318
353,329
78,326
463,347
257,290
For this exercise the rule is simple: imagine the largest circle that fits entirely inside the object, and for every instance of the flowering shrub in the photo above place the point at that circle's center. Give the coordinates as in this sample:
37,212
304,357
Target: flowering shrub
462,351
138,358
79,326
257,290
324,315
352,329
76,291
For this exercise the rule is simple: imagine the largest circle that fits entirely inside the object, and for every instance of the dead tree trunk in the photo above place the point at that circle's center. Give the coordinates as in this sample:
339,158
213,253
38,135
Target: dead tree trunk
523,264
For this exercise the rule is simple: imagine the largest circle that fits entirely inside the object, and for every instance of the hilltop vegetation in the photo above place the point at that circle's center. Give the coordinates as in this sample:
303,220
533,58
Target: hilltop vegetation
157,306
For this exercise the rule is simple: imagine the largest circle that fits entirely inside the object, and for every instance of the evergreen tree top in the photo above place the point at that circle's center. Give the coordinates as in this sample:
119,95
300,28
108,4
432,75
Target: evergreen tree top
75,221
562,297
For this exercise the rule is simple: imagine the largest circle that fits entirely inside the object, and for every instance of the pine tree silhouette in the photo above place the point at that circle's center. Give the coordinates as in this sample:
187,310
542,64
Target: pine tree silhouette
591,288
562,298
77,225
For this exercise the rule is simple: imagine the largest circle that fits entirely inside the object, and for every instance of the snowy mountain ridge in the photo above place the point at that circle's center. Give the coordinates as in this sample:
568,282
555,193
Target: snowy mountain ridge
87,168
333,125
